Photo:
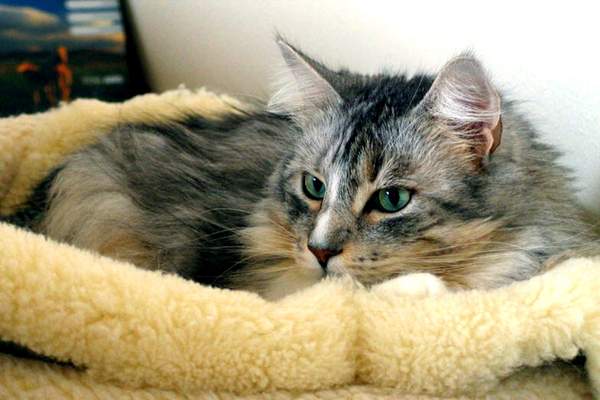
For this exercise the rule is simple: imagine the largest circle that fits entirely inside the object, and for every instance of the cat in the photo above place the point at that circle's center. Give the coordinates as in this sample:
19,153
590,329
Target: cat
372,177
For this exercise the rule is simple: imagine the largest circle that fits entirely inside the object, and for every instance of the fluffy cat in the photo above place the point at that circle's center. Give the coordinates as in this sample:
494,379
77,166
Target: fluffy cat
339,174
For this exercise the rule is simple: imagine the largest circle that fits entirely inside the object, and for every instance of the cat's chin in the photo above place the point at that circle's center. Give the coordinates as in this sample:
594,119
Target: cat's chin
291,282
336,268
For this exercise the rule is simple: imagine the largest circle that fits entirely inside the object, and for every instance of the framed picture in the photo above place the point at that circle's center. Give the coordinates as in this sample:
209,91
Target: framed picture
58,50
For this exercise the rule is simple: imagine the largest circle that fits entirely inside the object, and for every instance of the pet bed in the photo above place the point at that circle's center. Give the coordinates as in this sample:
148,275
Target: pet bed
139,334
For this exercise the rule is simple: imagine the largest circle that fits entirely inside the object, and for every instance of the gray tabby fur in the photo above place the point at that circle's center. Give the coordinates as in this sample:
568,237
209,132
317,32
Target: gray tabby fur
220,202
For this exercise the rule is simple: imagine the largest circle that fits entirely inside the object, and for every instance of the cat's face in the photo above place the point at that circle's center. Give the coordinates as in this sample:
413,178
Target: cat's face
376,186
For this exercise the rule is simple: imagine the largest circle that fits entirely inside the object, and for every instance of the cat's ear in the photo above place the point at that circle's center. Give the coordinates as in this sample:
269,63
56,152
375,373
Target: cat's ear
464,100
300,89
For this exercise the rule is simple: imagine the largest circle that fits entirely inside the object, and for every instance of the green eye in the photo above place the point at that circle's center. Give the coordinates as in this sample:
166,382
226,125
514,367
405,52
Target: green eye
390,200
313,187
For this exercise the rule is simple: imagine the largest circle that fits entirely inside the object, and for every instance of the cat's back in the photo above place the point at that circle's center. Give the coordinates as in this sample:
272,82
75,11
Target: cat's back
151,193
528,187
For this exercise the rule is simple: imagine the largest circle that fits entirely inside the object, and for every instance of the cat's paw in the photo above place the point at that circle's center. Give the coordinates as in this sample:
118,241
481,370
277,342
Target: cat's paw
414,285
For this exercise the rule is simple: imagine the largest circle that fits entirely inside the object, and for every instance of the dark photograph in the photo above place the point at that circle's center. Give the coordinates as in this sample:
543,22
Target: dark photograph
55,51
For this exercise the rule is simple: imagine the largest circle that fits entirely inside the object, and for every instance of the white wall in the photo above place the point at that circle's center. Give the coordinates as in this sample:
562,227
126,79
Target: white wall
548,57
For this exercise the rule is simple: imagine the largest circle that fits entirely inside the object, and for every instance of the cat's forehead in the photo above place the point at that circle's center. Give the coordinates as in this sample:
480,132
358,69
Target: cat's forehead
372,133
357,150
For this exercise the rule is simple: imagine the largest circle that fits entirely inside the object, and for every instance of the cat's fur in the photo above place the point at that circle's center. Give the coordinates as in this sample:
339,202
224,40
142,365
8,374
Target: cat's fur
220,201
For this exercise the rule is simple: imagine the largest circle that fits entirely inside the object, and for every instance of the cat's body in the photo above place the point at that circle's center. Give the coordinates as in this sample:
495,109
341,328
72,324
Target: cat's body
225,201
170,196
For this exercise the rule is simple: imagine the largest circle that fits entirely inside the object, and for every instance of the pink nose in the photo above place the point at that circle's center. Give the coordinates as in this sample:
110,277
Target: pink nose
324,254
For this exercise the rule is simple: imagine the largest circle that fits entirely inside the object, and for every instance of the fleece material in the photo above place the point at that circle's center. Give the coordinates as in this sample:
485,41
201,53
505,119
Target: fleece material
144,335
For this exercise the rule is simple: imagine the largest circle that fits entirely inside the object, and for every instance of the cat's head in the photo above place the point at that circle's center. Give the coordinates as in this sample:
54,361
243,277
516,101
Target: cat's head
385,177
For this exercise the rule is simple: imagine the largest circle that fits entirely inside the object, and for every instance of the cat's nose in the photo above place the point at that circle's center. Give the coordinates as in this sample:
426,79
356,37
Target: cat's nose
323,254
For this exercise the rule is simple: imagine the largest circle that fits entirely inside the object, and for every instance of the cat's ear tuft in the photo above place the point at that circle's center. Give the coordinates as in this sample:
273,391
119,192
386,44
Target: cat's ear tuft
464,100
300,89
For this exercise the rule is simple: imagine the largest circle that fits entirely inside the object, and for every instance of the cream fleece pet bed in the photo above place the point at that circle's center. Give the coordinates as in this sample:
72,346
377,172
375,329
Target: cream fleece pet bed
142,335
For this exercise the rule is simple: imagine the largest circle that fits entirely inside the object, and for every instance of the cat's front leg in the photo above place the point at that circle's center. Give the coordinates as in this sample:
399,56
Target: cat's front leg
414,285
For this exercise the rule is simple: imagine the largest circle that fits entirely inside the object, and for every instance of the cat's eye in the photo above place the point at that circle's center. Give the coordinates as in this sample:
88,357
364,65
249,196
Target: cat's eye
313,188
391,200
